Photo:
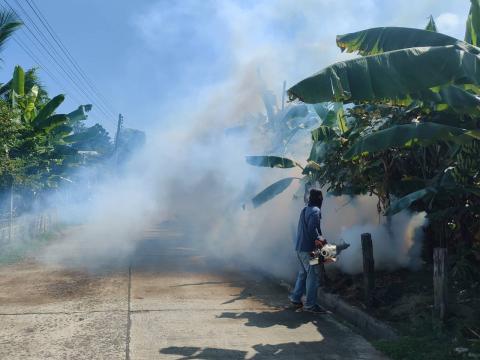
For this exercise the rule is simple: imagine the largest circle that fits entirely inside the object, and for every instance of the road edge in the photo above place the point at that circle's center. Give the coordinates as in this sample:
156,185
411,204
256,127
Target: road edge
366,324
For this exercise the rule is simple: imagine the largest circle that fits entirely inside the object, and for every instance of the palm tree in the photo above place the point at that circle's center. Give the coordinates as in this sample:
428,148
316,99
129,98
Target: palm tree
9,23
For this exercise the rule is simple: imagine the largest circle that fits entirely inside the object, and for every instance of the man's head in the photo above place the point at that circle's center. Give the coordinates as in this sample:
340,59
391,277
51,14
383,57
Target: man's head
316,198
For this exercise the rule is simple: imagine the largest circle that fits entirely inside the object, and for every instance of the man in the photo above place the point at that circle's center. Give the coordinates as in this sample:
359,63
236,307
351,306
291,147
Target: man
309,236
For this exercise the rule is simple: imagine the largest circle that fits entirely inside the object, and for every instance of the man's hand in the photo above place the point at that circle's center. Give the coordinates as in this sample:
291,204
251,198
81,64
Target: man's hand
320,241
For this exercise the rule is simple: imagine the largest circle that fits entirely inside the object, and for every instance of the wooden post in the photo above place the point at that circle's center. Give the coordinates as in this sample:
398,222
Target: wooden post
368,269
440,282
10,226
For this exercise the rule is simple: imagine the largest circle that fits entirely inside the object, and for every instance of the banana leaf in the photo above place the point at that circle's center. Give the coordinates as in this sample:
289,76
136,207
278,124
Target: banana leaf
271,161
88,134
18,81
406,201
458,99
50,122
380,40
300,110
323,133
62,130
395,75
475,190
297,123
80,114
383,39
271,191
29,103
472,30
49,109
320,149
431,26
401,135
327,112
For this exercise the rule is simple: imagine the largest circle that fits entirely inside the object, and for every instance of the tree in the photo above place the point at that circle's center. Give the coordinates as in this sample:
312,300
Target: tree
43,152
9,23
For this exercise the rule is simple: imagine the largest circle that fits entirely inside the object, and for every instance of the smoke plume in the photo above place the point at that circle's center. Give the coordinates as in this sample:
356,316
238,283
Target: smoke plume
193,173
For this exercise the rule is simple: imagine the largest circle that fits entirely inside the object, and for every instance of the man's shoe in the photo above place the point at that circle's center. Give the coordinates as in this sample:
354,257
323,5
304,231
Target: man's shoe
295,305
315,310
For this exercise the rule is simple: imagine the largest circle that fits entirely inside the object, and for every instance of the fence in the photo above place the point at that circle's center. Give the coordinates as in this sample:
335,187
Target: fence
22,228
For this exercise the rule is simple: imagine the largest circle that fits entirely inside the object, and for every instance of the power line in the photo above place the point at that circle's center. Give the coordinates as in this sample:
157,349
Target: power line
36,60
37,41
72,73
67,53
79,89
54,58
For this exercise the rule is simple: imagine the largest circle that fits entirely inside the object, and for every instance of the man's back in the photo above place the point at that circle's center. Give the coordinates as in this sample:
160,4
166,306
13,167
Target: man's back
308,228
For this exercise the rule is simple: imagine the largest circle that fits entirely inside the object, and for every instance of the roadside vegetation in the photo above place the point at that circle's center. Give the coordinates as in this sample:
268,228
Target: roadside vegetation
45,153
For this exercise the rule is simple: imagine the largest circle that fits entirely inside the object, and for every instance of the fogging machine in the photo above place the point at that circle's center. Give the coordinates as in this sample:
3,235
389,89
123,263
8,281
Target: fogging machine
327,253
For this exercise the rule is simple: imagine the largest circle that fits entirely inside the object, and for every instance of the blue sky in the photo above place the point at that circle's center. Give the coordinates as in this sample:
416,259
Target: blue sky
157,59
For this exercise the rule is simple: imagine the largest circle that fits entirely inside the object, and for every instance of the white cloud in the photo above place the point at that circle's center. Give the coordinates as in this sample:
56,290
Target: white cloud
448,23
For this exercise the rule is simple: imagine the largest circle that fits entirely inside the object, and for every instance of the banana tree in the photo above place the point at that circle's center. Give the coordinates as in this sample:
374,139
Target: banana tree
280,124
47,140
406,67
333,127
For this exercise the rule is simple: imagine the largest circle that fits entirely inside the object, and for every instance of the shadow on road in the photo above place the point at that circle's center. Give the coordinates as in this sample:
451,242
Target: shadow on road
266,319
290,350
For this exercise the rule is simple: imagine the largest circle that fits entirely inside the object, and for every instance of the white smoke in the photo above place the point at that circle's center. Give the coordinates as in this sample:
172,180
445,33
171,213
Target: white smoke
394,247
193,173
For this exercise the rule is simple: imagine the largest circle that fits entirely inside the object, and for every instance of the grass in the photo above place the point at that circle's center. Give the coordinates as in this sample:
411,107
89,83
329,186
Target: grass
424,347
405,301
428,341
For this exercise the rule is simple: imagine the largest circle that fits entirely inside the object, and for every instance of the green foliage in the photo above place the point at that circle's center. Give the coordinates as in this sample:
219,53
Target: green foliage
279,125
39,145
396,76
18,82
271,161
431,26
426,347
9,23
130,141
411,135
406,201
408,134
271,191
384,39
473,24
80,114
97,141
323,133
48,109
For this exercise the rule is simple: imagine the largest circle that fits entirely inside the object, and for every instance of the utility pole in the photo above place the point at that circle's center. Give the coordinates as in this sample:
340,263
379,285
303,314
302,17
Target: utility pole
283,93
117,136
119,128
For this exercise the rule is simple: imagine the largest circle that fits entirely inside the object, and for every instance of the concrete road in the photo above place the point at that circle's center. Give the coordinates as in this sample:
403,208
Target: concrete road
170,303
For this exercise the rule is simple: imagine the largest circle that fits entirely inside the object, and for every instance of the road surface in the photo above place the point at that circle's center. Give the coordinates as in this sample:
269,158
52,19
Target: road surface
169,302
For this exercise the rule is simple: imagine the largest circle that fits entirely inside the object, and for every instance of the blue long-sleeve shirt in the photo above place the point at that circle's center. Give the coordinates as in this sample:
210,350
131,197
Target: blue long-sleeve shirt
308,229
